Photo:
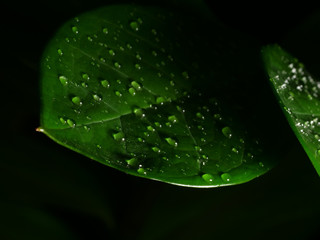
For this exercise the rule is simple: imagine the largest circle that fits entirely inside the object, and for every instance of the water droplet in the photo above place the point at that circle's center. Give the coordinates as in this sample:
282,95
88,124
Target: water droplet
154,32
134,25
173,119
171,142
138,56
136,85
160,100
60,52
226,177
197,148
141,170
86,128
227,132
199,115
137,66
118,136
157,124
138,112
76,100
99,146
75,29
105,31
140,139
119,94
156,149
150,128
85,76
71,123
132,91
132,161
129,46
185,74
96,97
207,177
111,52
235,150
105,83
63,80
261,164
154,53
89,39
117,65
62,120
217,116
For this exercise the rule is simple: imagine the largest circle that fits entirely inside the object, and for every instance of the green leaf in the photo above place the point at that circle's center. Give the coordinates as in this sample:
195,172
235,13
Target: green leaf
299,96
147,91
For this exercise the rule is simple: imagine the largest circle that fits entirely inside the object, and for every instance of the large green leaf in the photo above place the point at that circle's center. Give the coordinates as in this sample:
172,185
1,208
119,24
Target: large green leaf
299,96
152,93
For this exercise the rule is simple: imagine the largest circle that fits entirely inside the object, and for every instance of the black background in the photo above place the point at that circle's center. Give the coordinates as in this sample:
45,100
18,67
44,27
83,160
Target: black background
49,192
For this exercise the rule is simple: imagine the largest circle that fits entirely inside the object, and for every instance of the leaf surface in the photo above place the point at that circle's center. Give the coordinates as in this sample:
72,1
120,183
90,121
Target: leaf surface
299,96
151,93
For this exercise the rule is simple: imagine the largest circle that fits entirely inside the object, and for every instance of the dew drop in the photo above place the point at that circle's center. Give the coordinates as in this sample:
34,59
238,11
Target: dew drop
138,112
132,162
156,149
76,100
227,132
132,91
160,100
63,80
62,120
111,52
105,31
136,85
71,123
89,39
117,93
118,136
199,115
207,177
117,65
150,128
173,119
141,170
134,25
137,66
235,150
60,52
154,32
226,177
261,164
154,53
98,146
171,142
75,29
138,56
197,148
105,83
96,97
157,124
185,75
129,46
85,76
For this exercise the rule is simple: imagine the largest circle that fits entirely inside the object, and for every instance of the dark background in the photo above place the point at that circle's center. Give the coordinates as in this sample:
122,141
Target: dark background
49,192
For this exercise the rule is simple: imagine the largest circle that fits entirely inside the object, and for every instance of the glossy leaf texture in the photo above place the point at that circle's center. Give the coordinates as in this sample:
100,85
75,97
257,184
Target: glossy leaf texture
151,93
299,96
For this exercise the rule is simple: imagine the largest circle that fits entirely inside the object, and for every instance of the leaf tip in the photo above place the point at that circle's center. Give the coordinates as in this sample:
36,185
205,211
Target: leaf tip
40,129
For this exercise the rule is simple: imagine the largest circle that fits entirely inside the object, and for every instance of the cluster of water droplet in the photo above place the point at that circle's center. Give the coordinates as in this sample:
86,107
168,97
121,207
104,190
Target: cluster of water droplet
171,126
300,93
